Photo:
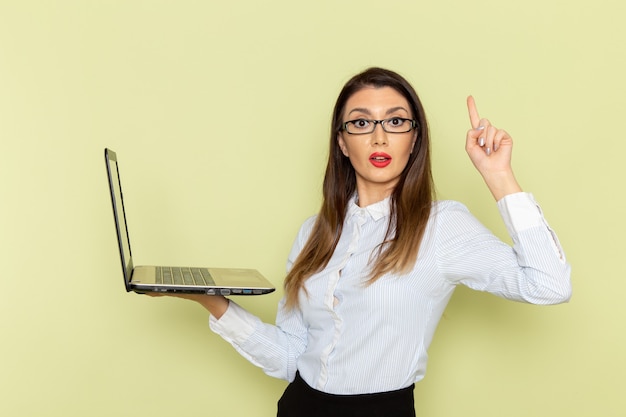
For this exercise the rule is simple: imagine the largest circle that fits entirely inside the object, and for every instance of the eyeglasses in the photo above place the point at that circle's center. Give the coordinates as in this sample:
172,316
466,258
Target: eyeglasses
391,125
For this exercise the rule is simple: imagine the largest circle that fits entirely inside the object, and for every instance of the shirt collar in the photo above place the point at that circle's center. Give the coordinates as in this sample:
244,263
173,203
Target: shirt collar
376,211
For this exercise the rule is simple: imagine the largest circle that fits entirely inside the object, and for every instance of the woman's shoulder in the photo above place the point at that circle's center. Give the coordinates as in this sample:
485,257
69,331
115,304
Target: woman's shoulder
309,221
450,216
307,226
448,206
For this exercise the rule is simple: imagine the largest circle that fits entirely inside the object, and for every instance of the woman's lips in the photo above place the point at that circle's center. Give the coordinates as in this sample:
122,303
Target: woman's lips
380,159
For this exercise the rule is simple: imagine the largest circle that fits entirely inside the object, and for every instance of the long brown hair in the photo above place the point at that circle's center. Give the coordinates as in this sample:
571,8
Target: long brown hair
410,201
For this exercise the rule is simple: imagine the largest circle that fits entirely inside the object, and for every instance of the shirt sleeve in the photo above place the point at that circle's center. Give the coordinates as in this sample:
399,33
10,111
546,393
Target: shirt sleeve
533,270
274,348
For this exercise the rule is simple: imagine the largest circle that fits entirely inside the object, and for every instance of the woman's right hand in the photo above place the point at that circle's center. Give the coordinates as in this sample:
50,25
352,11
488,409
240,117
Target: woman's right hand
215,304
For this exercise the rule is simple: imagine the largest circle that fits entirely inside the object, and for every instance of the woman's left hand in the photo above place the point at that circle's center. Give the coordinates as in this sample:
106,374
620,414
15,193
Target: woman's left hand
490,149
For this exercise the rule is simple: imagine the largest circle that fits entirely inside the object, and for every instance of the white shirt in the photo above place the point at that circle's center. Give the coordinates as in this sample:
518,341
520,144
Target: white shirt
351,338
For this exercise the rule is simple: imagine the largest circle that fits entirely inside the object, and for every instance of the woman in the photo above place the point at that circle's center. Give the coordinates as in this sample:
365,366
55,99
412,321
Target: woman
371,274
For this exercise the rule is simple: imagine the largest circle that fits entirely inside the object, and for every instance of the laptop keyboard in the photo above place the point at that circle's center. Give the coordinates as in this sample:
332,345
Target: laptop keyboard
183,276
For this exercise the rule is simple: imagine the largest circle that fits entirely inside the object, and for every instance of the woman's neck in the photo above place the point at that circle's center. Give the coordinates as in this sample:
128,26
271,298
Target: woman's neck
371,195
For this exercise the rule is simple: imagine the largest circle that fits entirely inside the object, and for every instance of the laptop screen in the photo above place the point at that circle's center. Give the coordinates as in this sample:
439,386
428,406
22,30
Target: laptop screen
120,217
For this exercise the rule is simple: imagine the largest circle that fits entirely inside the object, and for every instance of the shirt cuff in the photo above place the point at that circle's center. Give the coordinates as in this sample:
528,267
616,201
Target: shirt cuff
520,212
236,324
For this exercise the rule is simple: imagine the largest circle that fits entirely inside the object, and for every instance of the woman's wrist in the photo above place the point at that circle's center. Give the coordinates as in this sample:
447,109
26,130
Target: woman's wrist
215,304
502,184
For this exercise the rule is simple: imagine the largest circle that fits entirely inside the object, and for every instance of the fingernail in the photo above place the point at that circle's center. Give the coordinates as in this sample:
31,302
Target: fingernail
488,150
481,142
480,128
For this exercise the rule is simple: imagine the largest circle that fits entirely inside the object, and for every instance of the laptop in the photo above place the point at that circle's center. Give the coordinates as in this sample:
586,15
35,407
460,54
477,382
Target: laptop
164,279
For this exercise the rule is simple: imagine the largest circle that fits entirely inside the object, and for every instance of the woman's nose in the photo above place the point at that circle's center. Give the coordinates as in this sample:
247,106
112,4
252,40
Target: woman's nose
379,136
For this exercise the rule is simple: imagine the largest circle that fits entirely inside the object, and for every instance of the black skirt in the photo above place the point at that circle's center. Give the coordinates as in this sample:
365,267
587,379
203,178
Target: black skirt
300,400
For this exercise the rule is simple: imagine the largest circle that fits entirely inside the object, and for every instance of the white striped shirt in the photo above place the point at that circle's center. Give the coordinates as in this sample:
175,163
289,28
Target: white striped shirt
350,338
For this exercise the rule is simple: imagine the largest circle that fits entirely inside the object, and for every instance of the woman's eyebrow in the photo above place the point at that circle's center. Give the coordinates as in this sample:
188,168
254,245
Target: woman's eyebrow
395,109
366,111
360,110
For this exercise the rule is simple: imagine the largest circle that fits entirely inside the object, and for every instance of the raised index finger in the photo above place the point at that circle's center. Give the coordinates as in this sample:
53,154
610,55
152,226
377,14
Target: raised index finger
473,112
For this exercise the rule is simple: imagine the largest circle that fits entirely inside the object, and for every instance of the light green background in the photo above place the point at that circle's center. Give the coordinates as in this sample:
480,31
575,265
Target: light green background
219,112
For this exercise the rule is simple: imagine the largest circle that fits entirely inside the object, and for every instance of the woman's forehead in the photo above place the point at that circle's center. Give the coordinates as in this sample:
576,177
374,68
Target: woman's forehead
376,100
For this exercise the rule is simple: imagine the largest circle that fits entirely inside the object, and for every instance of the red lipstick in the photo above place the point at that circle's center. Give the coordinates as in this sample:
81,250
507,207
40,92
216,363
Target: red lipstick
380,159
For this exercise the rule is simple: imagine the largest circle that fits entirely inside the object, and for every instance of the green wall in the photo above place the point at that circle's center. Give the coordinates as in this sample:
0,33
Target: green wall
219,112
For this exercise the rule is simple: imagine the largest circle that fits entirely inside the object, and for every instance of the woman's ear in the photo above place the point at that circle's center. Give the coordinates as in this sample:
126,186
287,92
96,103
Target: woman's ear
414,142
342,144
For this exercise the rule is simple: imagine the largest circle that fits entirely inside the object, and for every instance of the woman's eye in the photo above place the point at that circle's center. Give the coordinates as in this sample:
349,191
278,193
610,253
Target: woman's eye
361,123
396,121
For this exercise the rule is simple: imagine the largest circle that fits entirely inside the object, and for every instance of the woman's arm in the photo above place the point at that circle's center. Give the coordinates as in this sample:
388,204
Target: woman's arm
534,270
274,348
